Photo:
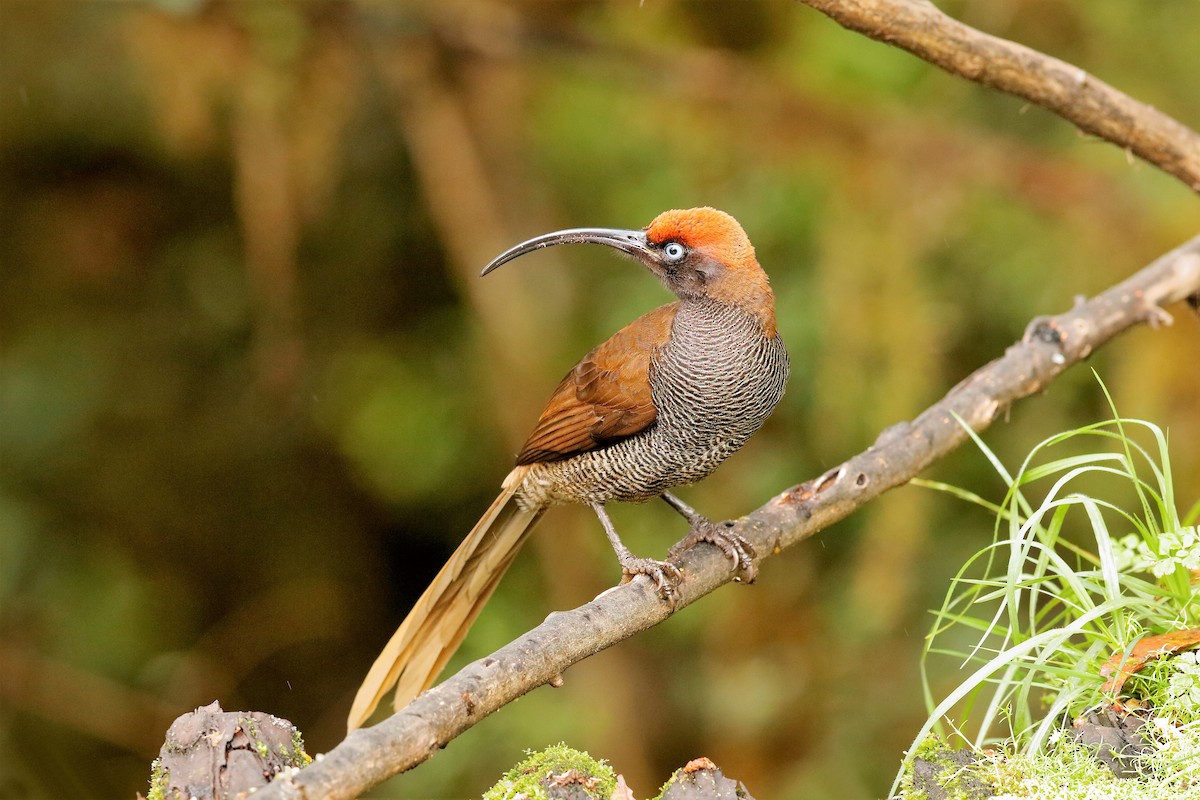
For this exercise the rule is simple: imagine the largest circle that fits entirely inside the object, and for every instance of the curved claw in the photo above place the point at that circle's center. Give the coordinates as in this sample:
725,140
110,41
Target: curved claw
723,537
664,574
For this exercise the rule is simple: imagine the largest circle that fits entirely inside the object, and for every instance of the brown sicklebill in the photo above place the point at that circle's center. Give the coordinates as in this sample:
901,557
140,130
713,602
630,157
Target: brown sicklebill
661,403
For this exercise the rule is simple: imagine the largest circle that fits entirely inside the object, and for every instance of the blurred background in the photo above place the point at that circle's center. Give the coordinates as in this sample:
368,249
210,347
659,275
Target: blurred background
253,391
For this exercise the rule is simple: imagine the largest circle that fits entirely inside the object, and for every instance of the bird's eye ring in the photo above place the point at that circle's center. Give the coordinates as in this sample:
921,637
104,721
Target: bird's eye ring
674,252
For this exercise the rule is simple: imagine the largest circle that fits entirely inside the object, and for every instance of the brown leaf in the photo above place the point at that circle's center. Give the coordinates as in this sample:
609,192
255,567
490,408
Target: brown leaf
1121,665
697,764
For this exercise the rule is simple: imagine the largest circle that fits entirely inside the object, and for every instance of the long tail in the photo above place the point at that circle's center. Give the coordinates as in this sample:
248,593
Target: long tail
437,624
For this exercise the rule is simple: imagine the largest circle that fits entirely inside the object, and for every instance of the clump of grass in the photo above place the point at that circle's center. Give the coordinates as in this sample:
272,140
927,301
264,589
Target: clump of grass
1067,771
1090,554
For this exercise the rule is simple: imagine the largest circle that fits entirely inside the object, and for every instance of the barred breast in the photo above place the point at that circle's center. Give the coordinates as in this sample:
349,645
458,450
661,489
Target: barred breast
714,384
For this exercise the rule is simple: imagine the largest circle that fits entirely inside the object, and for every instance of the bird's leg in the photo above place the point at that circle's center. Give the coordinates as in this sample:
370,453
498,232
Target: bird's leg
719,534
664,574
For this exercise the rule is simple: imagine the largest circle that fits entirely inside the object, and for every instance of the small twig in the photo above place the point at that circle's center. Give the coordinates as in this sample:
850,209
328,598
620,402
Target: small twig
1095,107
1051,344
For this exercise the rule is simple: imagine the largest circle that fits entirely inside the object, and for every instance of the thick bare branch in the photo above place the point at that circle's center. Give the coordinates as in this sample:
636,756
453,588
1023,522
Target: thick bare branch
1051,345
1095,107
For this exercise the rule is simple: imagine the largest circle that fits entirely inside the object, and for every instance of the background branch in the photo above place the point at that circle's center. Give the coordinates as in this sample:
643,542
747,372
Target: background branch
1095,107
1051,344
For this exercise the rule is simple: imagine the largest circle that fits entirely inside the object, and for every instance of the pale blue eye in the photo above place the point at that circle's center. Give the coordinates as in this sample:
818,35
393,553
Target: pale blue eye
674,251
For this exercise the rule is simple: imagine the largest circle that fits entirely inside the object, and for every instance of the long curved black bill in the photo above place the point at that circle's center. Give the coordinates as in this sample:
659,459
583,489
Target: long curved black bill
631,242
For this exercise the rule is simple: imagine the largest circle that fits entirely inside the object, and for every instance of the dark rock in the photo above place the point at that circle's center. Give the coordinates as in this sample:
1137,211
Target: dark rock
1116,738
941,775
210,754
702,780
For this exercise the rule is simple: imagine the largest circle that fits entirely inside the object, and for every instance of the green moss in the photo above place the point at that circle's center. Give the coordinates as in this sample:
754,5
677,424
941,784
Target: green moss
1066,771
297,757
1069,771
528,778
250,726
1170,685
937,771
667,784
293,756
662,789
159,781
674,776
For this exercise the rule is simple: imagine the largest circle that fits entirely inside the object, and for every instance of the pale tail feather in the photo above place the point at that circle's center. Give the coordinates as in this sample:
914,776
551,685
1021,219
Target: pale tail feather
437,624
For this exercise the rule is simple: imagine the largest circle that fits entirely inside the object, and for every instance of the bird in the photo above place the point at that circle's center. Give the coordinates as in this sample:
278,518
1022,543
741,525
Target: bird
660,404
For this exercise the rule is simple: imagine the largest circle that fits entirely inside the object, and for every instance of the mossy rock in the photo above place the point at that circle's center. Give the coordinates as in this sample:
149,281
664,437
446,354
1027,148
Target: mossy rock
701,779
556,773
247,749
940,772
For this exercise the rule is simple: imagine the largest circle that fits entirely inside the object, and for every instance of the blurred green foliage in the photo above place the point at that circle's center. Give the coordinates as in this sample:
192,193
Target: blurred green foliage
253,391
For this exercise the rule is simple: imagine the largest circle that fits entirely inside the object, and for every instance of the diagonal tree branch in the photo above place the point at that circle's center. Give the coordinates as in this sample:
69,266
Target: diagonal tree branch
1091,104
1050,345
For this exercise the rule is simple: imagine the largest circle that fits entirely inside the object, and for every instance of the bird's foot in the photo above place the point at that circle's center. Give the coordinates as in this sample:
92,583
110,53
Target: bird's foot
664,574
722,536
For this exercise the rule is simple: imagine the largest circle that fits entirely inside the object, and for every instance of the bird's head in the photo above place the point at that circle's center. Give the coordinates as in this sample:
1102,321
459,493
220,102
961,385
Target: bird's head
696,253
